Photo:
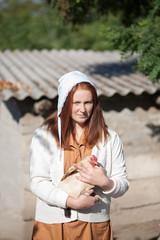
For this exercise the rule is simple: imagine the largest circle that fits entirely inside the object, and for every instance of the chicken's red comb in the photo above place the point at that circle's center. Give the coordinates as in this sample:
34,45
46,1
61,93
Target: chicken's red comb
93,160
93,157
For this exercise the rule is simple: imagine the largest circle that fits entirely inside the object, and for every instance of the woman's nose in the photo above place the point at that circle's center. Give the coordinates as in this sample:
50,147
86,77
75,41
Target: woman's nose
82,108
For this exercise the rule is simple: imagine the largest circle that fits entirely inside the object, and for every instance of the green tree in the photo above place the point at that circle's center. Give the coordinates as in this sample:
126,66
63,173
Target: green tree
137,31
30,24
15,23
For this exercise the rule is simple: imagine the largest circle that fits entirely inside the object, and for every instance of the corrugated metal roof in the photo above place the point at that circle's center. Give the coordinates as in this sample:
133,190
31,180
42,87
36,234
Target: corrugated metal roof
37,72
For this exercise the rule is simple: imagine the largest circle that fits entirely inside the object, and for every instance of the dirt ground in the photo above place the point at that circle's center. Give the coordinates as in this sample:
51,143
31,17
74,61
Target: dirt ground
144,231
136,215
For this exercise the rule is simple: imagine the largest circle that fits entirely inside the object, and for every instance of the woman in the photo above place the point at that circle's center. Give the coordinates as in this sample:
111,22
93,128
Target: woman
76,130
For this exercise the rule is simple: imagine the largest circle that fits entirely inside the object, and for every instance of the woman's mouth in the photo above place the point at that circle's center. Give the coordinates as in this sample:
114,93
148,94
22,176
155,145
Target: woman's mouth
81,116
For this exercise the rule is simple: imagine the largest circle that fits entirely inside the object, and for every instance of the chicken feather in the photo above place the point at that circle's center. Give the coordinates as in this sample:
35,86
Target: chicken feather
70,184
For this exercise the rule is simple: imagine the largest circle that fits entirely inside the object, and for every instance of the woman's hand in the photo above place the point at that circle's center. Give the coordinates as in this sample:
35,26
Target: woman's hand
84,201
95,176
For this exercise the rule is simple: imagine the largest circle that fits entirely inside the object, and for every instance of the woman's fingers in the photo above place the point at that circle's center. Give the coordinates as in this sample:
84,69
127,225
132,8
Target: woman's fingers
82,179
89,192
81,168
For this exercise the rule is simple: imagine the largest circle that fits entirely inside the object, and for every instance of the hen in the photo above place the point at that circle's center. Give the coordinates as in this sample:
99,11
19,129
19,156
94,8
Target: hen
70,184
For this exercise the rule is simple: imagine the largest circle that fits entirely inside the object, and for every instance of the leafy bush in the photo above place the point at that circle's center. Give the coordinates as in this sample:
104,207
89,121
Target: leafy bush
142,37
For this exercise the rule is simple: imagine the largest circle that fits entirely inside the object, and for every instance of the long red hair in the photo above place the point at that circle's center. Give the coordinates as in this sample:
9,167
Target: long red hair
96,128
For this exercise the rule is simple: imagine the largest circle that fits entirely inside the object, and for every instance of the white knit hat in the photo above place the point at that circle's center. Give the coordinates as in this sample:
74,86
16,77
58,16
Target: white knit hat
66,83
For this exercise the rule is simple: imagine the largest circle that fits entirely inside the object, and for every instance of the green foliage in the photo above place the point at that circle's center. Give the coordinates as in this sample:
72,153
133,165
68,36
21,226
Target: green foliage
28,24
88,24
142,37
73,10
137,29
78,11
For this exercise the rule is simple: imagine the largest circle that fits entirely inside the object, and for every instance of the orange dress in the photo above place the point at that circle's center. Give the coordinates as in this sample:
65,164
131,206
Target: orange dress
75,230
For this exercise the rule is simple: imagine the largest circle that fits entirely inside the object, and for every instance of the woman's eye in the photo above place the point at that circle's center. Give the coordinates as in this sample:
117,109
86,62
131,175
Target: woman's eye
76,103
89,102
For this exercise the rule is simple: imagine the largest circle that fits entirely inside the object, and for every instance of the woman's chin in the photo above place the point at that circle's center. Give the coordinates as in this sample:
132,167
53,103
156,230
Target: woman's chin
81,122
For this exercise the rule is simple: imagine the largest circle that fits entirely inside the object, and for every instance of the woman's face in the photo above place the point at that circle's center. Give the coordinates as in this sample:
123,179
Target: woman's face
82,106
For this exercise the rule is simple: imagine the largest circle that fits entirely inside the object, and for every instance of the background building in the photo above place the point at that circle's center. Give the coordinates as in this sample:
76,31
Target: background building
131,106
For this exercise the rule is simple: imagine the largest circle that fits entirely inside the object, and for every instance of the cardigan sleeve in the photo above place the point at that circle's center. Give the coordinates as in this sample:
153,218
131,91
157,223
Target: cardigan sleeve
40,180
118,167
